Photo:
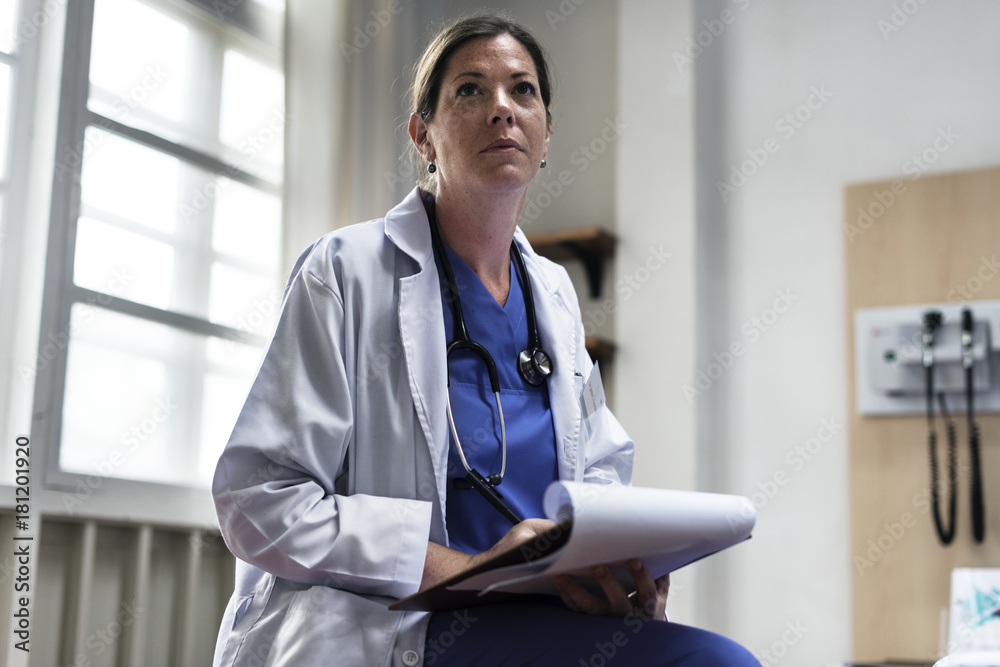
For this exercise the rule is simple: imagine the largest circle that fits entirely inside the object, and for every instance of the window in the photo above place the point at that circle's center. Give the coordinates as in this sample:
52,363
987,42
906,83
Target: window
167,256
8,60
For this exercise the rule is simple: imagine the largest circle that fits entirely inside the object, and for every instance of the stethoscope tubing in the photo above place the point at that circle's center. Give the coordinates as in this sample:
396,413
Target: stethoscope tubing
486,486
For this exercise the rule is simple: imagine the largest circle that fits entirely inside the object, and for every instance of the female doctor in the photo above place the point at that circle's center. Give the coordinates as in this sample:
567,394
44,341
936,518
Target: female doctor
344,485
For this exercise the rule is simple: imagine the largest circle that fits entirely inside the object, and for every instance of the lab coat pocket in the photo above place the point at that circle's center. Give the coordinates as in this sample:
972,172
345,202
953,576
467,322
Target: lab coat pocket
324,622
242,605
248,610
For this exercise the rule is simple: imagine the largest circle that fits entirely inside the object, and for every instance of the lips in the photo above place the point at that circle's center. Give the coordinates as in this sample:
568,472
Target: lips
500,144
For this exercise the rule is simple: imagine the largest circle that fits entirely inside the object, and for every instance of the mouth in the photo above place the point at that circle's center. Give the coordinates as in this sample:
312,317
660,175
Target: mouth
503,145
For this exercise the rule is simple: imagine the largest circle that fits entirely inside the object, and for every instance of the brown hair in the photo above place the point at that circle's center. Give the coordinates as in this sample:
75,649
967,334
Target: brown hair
430,68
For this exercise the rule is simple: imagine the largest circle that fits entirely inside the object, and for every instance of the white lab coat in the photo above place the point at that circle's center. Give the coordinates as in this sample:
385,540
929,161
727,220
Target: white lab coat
334,478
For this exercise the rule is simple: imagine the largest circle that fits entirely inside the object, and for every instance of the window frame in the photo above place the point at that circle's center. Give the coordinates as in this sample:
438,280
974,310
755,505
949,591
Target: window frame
150,500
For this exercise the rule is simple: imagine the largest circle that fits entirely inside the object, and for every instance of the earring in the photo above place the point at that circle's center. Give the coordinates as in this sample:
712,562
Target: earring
432,167
544,163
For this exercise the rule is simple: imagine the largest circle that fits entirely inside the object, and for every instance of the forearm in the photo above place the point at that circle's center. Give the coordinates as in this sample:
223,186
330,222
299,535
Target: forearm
442,562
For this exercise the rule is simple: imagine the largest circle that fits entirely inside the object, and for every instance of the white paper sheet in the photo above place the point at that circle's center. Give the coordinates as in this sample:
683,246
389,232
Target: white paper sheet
612,524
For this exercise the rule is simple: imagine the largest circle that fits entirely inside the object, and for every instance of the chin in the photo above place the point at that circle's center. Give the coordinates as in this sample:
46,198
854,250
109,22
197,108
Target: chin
508,180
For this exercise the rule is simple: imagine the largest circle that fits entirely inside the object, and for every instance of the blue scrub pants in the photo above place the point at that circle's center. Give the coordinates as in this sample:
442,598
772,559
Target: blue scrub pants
549,634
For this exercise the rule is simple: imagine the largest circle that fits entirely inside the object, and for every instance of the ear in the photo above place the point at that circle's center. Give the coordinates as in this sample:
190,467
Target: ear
548,134
418,135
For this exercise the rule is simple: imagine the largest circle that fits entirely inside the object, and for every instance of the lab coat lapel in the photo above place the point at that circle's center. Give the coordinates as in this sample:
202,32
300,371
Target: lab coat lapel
421,327
557,330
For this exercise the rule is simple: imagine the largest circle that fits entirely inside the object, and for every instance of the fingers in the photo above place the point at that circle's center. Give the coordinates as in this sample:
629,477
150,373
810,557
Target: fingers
523,532
535,526
648,601
618,601
576,596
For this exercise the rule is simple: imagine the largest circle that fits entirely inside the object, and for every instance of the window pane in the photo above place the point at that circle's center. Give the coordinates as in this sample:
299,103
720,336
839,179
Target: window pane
244,300
277,5
247,224
148,402
140,68
5,104
152,218
224,397
10,32
131,181
124,264
252,117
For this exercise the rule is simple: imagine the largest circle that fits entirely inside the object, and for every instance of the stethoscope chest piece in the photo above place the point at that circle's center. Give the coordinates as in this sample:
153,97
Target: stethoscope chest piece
534,366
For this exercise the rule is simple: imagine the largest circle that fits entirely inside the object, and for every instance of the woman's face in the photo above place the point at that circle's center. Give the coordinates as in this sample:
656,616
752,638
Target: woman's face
490,130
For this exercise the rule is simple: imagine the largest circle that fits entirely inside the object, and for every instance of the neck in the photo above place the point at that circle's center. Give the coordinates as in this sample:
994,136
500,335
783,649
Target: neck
480,231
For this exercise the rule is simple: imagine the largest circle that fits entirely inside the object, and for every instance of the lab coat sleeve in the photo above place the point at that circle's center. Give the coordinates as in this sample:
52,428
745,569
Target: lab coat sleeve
274,485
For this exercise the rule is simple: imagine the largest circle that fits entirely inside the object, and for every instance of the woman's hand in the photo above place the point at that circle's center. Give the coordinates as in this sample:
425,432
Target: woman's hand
648,601
521,533
442,563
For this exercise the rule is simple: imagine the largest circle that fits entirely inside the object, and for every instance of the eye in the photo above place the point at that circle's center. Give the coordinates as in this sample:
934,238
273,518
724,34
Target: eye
467,89
524,88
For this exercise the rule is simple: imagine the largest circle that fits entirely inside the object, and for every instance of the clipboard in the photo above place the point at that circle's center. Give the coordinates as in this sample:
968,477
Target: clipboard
598,524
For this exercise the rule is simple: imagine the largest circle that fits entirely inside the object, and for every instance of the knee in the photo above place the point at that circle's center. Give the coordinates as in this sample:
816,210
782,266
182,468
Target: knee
707,649
719,651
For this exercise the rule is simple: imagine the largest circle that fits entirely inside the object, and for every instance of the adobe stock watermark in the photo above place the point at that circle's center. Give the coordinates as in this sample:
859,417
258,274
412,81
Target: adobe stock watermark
152,78
28,27
131,439
606,651
625,289
104,638
915,166
751,332
87,312
988,269
793,634
261,316
363,35
705,38
891,534
796,458
563,11
439,645
581,158
249,149
786,126
898,18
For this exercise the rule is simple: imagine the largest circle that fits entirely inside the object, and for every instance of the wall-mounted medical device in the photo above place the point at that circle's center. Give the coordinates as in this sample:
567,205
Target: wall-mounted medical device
889,358
934,359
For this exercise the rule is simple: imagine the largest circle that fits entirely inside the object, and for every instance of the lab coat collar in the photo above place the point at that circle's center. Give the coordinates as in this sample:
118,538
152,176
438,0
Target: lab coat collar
408,227
421,330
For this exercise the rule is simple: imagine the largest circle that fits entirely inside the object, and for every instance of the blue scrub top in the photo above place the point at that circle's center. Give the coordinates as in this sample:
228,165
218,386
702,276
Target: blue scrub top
473,524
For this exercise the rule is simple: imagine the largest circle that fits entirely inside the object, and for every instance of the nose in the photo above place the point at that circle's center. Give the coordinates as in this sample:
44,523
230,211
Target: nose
503,110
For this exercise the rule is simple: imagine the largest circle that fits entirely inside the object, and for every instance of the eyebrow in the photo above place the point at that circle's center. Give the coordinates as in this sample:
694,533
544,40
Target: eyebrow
480,75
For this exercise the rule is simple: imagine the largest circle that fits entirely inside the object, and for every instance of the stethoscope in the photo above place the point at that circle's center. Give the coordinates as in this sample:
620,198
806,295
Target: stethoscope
533,365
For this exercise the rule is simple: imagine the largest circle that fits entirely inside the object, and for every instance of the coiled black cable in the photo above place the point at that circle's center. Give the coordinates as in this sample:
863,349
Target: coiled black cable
976,483
945,533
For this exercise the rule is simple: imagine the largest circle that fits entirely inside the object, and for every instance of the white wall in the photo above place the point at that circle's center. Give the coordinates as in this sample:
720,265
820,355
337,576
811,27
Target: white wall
782,230
655,299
